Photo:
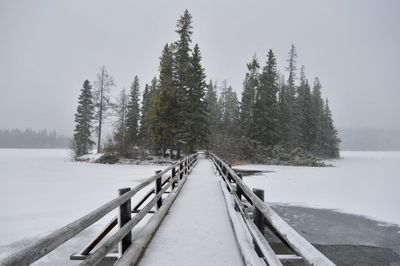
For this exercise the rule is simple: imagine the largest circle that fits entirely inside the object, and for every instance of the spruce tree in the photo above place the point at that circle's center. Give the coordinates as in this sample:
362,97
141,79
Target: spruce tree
317,117
331,140
196,112
304,114
133,114
82,141
230,111
287,103
181,71
214,112
145,119
102,103
250,85
164,115
266,114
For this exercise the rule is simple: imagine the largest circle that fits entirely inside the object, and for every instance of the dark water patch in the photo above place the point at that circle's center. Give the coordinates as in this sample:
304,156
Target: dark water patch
245,172
330,227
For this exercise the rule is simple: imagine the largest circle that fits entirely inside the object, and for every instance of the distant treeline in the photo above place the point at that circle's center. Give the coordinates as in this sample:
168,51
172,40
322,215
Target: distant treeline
28,138
370,139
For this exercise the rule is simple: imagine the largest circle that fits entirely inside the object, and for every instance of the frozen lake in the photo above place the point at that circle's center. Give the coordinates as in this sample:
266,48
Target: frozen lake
363,183
42,190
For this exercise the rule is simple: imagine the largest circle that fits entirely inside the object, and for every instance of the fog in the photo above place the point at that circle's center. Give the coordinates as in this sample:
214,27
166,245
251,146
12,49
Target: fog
48,48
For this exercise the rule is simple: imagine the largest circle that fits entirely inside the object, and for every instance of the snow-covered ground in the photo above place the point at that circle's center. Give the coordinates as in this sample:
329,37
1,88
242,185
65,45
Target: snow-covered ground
364,183
42,190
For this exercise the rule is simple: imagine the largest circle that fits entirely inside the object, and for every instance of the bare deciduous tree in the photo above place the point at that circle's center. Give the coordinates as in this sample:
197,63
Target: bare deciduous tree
102,103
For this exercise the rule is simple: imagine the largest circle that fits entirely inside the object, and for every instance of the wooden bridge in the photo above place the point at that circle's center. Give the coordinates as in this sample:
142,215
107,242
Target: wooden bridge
216,220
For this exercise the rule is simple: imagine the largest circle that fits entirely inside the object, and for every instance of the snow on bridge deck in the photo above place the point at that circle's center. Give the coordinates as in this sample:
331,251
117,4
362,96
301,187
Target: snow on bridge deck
197,229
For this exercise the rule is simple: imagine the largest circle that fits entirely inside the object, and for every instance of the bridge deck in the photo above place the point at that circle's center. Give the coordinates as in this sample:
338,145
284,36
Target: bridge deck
197,230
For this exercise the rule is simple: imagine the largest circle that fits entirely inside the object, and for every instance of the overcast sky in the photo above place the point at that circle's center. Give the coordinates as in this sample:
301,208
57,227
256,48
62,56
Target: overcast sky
48,48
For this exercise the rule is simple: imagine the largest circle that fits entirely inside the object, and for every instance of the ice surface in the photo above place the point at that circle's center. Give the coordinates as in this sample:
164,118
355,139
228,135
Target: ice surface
364,183
42,190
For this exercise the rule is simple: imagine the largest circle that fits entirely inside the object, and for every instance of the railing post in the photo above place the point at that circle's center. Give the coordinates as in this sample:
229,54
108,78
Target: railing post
124,217
228,174
258,218
158,189
173,174
239,191
187,165
181,170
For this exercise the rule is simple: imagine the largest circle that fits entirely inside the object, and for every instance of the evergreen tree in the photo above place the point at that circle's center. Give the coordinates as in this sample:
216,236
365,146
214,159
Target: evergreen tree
102,103
181,70
121,136
266,116
133,114
196,125
317,104
230,111
305,122
250,85
164,114
82,141
214,112
331,140
287,103
145,119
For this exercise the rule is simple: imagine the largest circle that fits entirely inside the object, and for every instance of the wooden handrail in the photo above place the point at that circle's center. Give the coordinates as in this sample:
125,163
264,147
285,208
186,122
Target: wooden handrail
300,245
135,251
43,246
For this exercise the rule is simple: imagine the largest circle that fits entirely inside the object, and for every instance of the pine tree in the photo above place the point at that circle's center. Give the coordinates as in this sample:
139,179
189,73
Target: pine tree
214,112
287,103
164,114
304,114
317,104
250,85
266,110
230,111
196,112
331,140
102,103
145,119
133,114
181,71
82,141
121,136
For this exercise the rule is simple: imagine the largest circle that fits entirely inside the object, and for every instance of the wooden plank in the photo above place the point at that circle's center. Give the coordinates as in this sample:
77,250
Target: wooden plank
258,217
148,194
109,257
302,247
124,216
265,249
158,189
243,237
289,257
104,232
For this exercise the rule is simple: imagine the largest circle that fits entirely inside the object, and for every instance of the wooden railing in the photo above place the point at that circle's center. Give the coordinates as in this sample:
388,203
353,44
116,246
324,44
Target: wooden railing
170,181
262,216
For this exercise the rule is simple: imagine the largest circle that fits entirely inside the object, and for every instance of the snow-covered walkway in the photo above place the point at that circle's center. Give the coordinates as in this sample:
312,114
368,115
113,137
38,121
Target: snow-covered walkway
197,229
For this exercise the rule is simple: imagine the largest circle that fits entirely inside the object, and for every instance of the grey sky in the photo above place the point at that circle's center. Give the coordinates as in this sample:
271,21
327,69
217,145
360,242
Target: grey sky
48,48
